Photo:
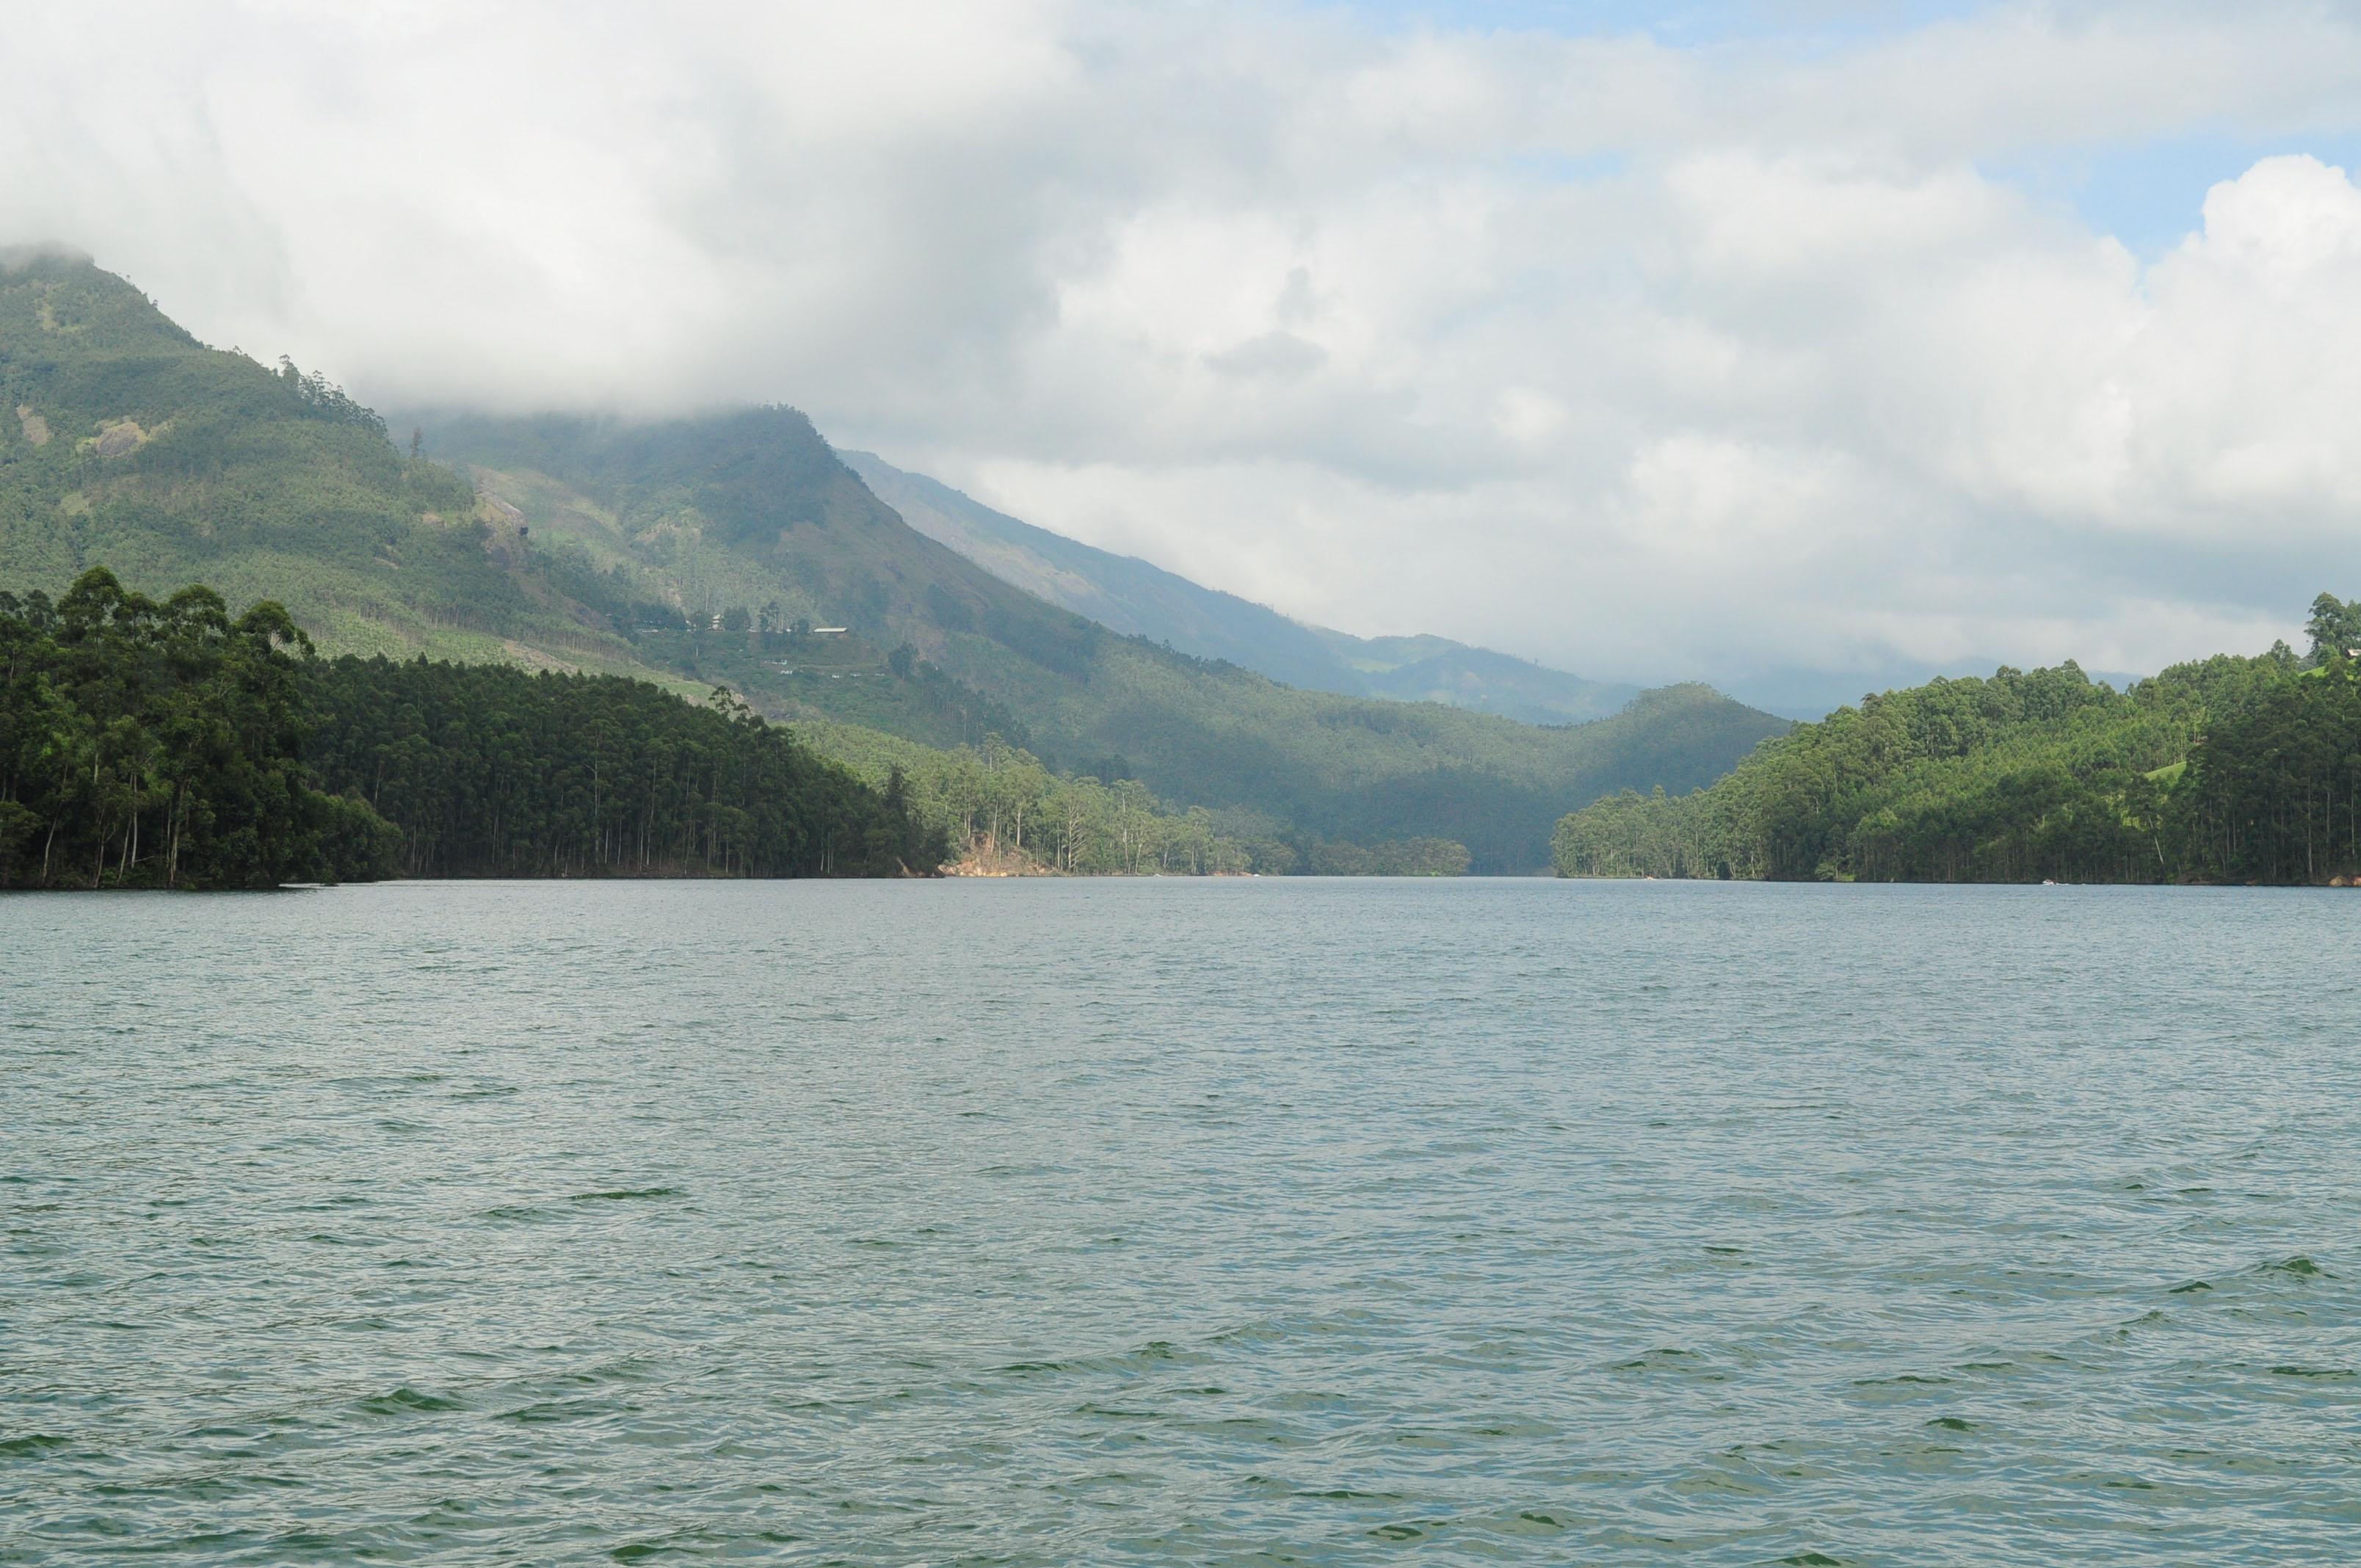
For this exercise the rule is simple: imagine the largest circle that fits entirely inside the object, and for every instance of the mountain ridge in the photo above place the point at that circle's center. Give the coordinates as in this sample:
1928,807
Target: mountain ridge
697,552
1132,595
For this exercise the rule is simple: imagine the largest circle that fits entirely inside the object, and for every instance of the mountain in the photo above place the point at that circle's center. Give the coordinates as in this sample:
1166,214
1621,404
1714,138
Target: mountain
1133,597
751,511
124,441
716,550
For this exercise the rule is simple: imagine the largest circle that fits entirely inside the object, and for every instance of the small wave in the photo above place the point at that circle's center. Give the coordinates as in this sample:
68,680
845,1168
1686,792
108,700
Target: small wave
1153,1352
31,1446
623,1194
408,1401
544,1411
518,1212
1663,1355
1112,1412
2300,1265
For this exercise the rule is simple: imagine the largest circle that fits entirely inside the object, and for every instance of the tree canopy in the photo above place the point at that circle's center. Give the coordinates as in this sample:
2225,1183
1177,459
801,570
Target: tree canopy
2226,770
169,744
159,744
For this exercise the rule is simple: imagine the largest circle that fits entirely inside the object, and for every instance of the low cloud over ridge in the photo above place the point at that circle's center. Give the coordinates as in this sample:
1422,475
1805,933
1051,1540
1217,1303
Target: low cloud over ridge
1745,360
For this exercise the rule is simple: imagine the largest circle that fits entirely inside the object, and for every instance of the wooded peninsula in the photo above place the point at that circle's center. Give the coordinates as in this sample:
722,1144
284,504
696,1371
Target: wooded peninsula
2231,770
168,744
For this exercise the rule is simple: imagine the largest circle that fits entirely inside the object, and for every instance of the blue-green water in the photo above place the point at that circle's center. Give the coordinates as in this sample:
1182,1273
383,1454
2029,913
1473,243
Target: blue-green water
1181,1223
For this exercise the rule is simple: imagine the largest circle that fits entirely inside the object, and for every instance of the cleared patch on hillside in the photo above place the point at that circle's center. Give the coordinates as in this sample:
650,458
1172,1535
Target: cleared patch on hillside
534,659
117,438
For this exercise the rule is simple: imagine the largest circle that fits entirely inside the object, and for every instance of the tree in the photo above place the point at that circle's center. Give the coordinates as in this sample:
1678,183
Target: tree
2335,629
2230,769
152,744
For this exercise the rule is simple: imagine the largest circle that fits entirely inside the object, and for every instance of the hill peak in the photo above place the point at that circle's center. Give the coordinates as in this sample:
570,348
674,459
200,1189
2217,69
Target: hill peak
55,296
44,252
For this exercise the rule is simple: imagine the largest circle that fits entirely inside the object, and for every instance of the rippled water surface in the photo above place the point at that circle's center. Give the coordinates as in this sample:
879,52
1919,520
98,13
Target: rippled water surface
1181,1223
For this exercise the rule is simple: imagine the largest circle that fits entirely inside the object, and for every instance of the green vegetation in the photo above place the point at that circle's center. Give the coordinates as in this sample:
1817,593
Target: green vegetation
1402,856
2229,770
998,807
158,745
489,771
167,745
125,441
714,551
750,517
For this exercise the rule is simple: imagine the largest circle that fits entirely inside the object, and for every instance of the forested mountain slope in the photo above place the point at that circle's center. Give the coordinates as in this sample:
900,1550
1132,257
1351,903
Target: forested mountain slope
2228,770
748,517
125,442
1133,597
713,550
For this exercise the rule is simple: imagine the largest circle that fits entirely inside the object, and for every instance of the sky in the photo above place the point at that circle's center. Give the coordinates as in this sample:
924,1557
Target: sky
1806,347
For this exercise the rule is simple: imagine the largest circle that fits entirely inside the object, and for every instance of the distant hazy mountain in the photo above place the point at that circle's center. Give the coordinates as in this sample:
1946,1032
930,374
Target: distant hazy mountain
1140,599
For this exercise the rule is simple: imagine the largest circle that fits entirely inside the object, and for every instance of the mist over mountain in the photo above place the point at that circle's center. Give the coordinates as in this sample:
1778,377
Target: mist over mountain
1135,597
1806,354
717,549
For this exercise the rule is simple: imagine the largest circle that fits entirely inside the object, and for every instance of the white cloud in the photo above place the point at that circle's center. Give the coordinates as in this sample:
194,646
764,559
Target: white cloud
1732,361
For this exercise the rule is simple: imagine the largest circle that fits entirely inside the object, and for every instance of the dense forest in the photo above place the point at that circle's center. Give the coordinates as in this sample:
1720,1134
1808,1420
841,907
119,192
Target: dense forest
146,744
2233,770
487,771
167,744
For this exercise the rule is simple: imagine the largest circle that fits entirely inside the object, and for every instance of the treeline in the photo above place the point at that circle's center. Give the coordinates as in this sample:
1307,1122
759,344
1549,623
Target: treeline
2235,770
998,804
487,771
146,744
1395,857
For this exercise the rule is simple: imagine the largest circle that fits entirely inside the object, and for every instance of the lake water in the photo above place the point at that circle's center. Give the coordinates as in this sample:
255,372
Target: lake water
1181,1221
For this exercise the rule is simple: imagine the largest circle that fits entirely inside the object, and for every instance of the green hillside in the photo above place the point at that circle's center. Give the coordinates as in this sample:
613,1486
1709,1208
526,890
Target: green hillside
1132,596
749,519
125,442
2228,770
714,549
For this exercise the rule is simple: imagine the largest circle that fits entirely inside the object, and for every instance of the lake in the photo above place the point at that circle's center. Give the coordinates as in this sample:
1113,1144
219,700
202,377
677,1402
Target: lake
1181,1221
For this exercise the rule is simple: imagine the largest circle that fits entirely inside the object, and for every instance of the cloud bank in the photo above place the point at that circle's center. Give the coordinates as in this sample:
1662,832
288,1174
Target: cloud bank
1762,360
